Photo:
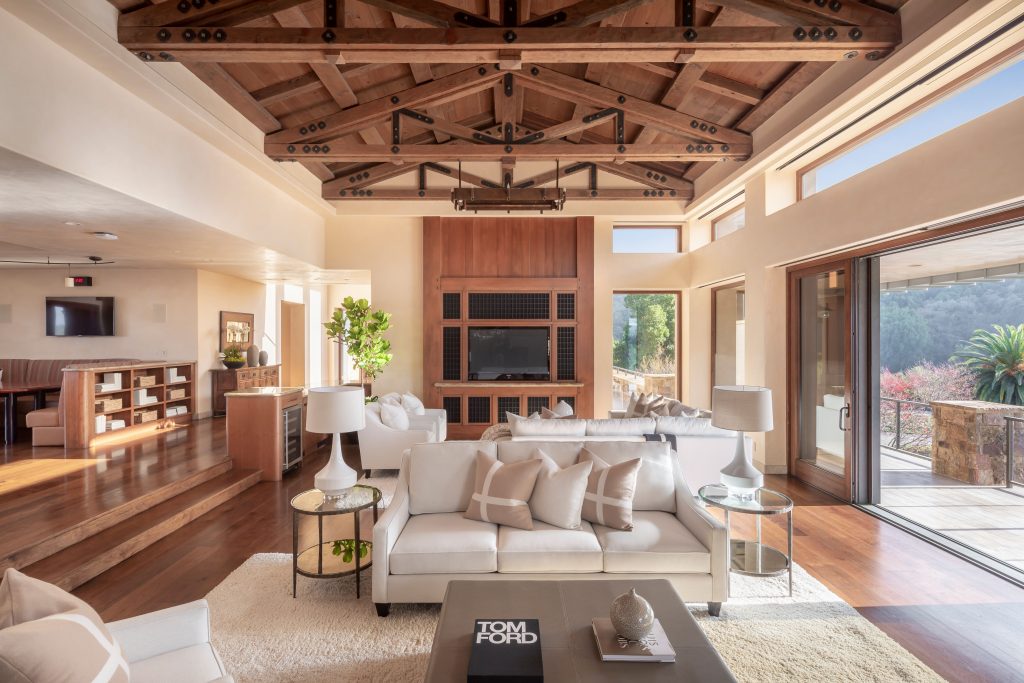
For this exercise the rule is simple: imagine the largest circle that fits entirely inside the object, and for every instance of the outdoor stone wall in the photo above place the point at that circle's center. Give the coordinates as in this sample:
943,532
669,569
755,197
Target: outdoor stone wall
969,440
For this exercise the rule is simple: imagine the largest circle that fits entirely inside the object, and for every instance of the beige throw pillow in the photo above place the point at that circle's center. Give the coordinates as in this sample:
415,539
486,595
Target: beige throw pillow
47,634
610,489
558,496
501,492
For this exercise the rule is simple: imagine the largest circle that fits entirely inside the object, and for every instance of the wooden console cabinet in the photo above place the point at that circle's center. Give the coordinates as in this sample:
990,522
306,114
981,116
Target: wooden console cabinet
261,430
225,380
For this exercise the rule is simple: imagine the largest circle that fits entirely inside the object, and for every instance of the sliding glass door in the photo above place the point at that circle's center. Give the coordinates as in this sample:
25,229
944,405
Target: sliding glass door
821,371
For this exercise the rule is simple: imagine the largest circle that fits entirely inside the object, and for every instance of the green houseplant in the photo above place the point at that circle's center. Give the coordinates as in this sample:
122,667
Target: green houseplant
233,357
361,330
996,357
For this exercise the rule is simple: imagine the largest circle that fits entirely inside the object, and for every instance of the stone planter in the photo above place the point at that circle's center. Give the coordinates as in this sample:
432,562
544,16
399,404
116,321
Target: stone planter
969,440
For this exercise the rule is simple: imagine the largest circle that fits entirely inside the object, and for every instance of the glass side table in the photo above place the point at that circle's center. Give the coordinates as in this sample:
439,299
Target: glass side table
337,557
754,558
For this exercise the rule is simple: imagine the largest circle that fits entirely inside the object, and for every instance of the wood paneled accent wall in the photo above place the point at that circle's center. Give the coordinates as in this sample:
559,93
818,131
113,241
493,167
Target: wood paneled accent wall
507,255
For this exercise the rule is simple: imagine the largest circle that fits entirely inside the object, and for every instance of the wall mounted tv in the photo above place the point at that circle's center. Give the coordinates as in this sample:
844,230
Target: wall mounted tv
508,354
79,316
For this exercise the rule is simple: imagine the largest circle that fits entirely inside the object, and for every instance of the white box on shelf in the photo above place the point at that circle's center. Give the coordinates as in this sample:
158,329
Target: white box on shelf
143,398
173,377
101,424
117,424
103,388
112,378
148,401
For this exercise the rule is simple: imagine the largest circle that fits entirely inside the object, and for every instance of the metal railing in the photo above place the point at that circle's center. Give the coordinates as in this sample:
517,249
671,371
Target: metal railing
1010,420
897,442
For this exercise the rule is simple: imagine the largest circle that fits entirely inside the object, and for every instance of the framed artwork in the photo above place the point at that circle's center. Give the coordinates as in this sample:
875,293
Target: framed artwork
236,329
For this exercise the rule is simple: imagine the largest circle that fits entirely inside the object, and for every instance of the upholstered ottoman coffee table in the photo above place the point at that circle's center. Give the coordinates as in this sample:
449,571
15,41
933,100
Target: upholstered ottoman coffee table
565,610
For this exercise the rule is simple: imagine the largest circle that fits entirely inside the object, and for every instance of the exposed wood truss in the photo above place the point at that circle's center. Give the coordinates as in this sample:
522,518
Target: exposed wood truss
646,93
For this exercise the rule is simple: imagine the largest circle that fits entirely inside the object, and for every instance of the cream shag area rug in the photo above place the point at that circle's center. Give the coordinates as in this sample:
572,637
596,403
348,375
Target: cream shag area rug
325,634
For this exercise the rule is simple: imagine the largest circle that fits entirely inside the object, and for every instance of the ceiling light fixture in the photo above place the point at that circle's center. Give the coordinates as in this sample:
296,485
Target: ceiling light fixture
509,198
100,234
72,224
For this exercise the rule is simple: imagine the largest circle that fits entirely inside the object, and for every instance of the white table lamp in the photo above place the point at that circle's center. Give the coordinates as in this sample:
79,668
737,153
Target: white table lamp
743,409
333,410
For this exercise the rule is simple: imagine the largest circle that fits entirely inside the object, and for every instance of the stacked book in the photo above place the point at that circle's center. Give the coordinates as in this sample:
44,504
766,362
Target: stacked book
113,425
144,399
175,410
655,647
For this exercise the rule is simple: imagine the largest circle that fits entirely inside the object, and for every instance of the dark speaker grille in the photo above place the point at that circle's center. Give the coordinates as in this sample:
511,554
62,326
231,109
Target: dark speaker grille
453,408
566,306
535,403
566,353
509,306
451,354
571,400
451,306
479,409
507,404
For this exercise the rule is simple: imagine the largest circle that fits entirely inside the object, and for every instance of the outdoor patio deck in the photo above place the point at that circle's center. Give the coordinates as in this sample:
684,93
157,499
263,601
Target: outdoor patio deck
990,519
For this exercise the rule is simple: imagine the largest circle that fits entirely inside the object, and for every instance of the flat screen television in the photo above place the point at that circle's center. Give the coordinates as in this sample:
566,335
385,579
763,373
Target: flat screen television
79,316
508,354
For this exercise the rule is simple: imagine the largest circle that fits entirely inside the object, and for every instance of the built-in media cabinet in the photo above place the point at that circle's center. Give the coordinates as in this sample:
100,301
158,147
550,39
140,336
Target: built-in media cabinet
225,380
120,402
508,310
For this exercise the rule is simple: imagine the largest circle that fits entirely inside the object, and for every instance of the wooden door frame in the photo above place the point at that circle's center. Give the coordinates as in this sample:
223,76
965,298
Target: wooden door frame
739,284
818,477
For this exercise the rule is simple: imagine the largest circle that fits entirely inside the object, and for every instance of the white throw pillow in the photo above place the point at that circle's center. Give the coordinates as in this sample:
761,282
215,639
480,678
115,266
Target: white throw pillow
512,418
680,409
394,417
412,404
558,495
631,406
392,399
561,409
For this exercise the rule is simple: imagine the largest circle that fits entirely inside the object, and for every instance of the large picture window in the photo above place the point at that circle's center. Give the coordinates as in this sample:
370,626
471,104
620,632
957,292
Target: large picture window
644,351
647,239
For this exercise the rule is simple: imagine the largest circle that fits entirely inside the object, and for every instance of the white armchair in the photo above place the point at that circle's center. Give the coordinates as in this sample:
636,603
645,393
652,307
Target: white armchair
171,646
381,447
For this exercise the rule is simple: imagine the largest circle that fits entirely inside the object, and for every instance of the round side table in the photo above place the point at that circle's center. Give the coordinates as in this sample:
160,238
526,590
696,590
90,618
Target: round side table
319,561
754,558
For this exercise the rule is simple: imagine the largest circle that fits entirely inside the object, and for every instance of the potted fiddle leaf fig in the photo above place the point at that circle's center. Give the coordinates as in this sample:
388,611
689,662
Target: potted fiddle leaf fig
361,330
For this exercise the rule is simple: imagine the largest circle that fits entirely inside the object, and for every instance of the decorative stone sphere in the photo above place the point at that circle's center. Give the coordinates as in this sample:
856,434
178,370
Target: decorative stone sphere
632,615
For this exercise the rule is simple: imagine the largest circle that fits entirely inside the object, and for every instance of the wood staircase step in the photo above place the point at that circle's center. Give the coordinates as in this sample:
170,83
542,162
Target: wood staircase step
75,564
45,544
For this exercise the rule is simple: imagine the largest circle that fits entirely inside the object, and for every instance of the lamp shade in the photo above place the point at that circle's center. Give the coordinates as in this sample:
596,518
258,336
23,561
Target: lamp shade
333,410
742,408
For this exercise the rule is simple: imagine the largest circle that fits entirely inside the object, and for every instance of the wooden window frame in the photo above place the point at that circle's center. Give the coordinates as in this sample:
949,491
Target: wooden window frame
910,110
726,215
740,284
678,331
679,238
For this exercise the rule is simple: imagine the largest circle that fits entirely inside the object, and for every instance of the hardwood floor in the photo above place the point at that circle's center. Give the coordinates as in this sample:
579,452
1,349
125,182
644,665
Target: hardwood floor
960,620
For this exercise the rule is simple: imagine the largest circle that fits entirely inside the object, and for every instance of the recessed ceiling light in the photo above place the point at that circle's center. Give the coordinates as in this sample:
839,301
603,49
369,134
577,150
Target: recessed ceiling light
914,265
104,235
71,223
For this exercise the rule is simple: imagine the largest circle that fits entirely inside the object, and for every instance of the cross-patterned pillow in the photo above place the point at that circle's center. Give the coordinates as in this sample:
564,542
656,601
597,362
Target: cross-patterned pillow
501,491
610,489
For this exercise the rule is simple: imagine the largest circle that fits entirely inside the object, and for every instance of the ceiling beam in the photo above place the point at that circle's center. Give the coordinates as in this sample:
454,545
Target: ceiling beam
277,92
223,13
433,13
446,89
585,13
647,176
637,110
631,194
222,83
486,45
563,151
349,182
675,96
465,177
801,12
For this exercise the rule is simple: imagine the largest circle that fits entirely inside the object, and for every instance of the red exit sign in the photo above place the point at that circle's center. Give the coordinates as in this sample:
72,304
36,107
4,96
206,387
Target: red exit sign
81,280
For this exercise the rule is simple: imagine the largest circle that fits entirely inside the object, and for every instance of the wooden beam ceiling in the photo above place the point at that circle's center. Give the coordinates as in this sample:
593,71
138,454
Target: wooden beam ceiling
684,115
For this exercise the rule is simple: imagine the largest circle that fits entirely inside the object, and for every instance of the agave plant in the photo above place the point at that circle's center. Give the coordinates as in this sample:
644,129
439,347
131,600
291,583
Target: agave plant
996,357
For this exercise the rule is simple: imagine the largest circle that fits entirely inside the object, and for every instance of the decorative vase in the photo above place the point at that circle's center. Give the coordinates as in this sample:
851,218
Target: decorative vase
252,356
632,615
234,364
264,358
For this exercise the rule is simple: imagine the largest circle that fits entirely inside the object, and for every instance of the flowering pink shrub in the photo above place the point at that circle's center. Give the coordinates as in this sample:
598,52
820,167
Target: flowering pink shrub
923,384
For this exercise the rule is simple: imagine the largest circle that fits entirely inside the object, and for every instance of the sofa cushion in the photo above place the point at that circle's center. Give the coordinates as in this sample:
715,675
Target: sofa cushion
501,493
558,496
690,426
44,417
554,428
658,544
441,475
633,426
195,663
655,483
548,548
609,497
445,543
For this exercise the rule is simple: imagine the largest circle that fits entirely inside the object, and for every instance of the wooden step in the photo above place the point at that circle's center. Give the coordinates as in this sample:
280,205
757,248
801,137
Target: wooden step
76,564
64,519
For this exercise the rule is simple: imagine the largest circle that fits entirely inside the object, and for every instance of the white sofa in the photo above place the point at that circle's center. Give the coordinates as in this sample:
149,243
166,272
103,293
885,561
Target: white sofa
702,448
381,447
171,646
828,435
422,541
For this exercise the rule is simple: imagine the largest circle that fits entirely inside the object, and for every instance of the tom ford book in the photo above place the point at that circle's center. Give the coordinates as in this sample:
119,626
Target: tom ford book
506,651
